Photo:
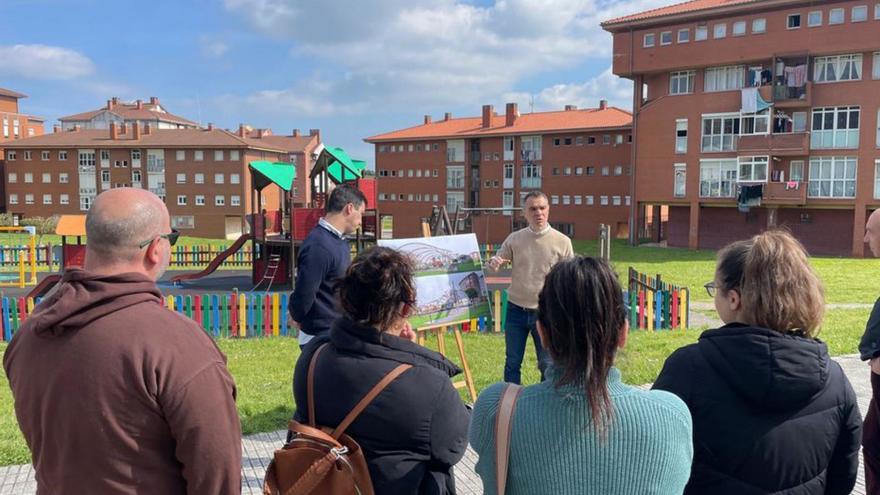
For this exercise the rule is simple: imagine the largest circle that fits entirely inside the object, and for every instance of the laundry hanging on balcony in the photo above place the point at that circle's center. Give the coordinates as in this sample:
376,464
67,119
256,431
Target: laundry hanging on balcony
752,101
749,196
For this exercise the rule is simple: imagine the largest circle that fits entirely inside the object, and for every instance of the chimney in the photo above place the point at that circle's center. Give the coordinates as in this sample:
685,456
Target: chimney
139,104
603,104
569,108
115,101
154,100
510,114
315,133
427,119
487,116
123,128
114,134
447,116
295,133
76,128
109,104
56,129
148,129
135,131
242,131
261,133
210,126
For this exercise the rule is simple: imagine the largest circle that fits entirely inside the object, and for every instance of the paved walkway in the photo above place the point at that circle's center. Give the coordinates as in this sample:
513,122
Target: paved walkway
257,450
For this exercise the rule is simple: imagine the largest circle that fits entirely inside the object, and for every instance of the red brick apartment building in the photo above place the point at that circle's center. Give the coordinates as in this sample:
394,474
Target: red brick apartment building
579,158
201,172
16,125
704,71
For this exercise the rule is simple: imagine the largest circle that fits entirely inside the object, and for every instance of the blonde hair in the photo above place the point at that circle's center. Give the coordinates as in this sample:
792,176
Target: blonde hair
777,285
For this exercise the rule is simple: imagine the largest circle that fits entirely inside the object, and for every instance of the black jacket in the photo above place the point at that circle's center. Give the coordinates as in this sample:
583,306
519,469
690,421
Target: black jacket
869,347
772,413
414,431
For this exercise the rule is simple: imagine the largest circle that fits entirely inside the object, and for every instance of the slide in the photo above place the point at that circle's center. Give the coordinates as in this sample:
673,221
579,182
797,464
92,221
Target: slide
44,286
214,262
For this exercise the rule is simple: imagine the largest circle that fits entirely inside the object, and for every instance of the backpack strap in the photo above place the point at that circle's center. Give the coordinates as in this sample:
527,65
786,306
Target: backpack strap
310,385
503,427
365,401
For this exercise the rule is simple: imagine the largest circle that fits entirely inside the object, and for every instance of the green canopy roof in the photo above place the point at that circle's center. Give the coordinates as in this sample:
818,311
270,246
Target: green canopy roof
339,165
280,173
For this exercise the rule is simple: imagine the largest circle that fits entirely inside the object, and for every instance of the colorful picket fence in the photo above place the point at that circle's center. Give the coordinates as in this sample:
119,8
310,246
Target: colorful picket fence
202,255
655,304
10,255
232,314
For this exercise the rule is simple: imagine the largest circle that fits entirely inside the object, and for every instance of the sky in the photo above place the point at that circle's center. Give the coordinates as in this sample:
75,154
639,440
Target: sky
351,68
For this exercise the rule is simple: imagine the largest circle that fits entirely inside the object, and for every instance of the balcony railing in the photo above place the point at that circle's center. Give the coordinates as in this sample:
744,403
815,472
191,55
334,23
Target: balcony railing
786,193
793,96
783,144
88,191
475,157
530,183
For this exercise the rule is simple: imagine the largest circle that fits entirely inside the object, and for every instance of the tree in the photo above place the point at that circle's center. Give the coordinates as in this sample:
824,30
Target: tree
43,225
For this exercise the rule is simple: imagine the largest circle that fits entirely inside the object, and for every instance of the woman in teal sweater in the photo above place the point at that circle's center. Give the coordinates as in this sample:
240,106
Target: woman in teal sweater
583,431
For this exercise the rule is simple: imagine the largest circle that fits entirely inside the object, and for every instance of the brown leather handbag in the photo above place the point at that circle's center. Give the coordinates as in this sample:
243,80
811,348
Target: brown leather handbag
503,426
323,460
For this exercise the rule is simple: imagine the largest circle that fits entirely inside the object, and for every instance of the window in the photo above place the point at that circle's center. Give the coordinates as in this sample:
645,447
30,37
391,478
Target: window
234,155
681,136
794,21
180,155
105,177
531,148
435,173
723,78
720,132
579,141
454,201
796,171
62,155
531,176
63,199
618,170
838,68
136,177
591,140
566,199
591,170
755,123
684,35
219,179
47,199
63,178
199,178
105,155
878,128
589,200
28,199
554,200
218,155
13,199
666,38
234,178
566,171
679,179
759,25
701,33
681,83
606,171
508,147
219,200
13,177
606,139
832,177
27,155
836,16
615,200
47,178
181,178
181,200
198,155
877,11
739,28
718,178
44,155
455,177
753,168
603,200
578,200
814,18
410,148
28,178
579,171
835,127
719,31
649,40
135,156
875,73
876,180
235,200
10,155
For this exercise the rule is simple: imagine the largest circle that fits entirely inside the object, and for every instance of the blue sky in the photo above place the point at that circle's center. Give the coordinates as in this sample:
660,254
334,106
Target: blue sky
349,68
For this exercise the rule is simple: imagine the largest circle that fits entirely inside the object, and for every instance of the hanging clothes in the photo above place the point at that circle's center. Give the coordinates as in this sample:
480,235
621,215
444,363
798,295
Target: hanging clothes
749,100
749,196
800,75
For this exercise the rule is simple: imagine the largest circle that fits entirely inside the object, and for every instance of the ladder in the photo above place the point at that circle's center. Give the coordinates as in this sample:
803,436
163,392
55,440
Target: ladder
440,224
269,274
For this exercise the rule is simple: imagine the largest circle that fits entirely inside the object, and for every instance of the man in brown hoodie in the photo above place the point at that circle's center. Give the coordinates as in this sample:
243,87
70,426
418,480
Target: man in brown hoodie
113,392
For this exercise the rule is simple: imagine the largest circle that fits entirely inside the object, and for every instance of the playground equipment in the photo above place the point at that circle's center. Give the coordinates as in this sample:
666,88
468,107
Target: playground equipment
654,304
72,255
214,263
26,258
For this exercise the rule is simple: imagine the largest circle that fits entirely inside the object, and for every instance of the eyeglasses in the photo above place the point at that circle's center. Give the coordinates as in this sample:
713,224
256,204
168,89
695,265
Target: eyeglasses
711,288
171,236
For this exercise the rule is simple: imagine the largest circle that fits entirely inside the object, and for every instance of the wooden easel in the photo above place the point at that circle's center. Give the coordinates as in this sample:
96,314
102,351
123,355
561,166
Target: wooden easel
440,332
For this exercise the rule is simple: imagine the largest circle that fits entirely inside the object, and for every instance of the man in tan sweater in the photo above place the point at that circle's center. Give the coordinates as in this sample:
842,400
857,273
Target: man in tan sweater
533,251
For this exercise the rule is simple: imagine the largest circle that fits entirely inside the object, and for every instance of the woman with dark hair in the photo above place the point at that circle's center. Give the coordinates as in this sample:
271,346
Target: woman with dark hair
772,412
416,429
582,430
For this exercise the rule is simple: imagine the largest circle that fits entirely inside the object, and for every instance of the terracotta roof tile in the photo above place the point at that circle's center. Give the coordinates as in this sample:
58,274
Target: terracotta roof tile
568,120
679,8
158,138
11,94
288,143
131,112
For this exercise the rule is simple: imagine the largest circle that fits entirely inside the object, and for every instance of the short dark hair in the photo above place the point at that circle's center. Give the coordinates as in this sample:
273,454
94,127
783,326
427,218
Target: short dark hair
377,283
581,311
534,194
342,195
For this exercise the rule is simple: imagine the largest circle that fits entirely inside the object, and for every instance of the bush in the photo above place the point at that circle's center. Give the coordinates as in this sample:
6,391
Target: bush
43,225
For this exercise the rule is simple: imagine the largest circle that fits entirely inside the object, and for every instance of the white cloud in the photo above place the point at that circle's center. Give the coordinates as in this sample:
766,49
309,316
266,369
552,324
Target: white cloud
396,54
44,62
605,86
212,47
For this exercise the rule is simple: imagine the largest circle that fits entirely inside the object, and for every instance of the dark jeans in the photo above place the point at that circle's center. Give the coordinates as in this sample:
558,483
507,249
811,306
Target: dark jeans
519,324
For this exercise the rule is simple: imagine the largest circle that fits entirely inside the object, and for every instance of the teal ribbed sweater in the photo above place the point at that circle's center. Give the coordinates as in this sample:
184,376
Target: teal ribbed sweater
554,448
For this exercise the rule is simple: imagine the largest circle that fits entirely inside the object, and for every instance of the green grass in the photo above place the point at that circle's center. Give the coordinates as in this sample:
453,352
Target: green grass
55,240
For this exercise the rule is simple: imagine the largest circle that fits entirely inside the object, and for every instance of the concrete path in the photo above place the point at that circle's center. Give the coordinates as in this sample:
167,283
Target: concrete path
257,450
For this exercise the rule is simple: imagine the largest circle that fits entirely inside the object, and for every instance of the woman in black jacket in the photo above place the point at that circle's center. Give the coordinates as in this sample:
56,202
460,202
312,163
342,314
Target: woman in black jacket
416,429
772,412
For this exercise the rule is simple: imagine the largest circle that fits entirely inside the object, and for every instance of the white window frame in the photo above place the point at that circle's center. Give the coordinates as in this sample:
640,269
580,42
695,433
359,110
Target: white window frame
667,35
47,178
796,165
199,200
831,68
687,35
682,82
616,201
589,200
823,138
716,142
235,178
28,199
219,200
759,25
234,155
199,178
878,129
63,178
235,200
44,155
839,13
199,155
760,123
838,172
13,178
810,16
62,155
681,136
649,44
603,200
679,180
13,199
753,168
47,199
181,200
454,199
219,178
28,178
701,32
727,78
875,68
738,28
718,177
530,175
877,178
455,177
719,31
554,199
861,17
218,155
578,200
877,11
789,18
63,199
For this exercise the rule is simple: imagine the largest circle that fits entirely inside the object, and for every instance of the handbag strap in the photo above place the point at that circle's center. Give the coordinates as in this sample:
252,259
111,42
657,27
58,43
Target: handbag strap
365,401
310,385
503,427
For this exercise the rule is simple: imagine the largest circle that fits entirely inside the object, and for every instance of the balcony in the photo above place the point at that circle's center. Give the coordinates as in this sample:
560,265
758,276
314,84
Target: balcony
783,144
793,97
785,193
88,191
475,157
